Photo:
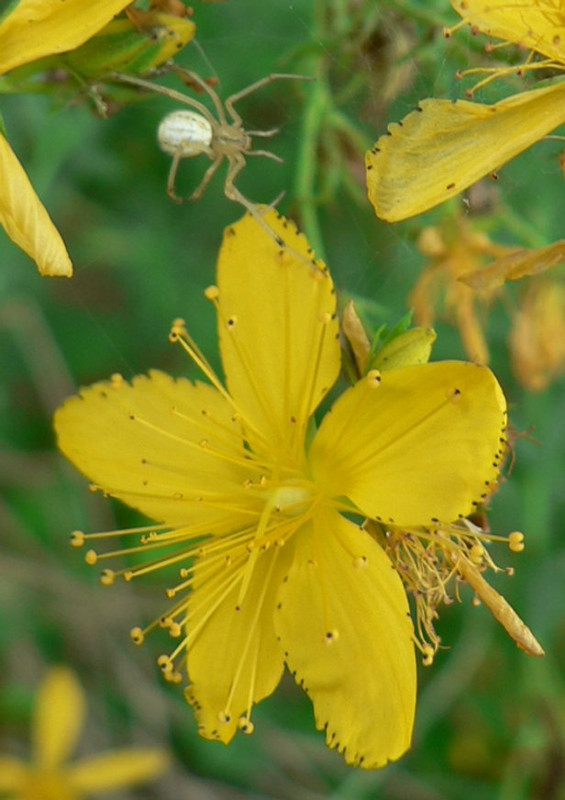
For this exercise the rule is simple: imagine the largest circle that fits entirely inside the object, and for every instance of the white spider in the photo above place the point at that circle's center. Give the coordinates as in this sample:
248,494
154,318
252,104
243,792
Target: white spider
185,134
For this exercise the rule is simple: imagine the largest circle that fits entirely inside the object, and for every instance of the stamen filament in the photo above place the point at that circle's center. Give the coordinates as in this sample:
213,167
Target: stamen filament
79,538
233,437
180,334
250,632
308,395
224,588
200,446
502,72
254,380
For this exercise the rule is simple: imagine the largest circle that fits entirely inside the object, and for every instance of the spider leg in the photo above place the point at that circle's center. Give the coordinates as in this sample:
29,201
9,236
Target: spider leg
194,78
266,154
274,203
171,180
202,186
208,175
171,93
236,164
264,134
235,98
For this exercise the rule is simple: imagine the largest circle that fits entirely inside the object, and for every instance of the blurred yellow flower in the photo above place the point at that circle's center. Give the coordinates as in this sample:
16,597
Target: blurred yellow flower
537,338
445,146
262,512
456,280
57,722
454,250
30,30
513,264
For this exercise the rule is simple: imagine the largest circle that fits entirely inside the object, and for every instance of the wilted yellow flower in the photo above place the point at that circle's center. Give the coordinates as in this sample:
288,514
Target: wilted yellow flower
515,264
264,514
57,722
30,30
454,250
537,338
443,147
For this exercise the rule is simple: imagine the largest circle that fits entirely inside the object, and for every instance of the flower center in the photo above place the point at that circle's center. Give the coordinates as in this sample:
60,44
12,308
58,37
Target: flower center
291,500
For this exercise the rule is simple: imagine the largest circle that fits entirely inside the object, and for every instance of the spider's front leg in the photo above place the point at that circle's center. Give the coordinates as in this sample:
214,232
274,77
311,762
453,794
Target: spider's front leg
235,98
266,154
264,134
236,164
188,77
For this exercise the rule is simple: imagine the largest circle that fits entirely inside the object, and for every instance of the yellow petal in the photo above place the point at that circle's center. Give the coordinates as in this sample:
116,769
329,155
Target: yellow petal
443,147
37,28
235,660
49,785
25,219
520,264
533,24
424,444
151,445
12,774
344,624
58,718
278,332
116,770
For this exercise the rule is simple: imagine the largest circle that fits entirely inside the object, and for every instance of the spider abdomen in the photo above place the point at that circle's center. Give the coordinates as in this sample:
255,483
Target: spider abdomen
184,133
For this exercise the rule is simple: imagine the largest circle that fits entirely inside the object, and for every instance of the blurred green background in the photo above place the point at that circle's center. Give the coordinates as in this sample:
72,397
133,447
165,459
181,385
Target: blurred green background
490,722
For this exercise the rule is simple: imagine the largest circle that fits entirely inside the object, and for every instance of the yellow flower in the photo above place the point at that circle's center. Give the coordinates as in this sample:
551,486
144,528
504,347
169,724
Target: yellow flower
262,512
454,250
443,147
513,264
537,338
33,29
58,719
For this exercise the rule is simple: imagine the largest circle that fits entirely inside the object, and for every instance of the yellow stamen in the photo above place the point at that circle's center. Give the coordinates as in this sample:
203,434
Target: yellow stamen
516,541
317,348
428,560
249,639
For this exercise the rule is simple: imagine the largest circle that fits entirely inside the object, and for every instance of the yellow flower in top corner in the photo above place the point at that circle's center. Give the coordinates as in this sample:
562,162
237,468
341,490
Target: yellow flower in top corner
263,514
30,30
445,146
57,721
